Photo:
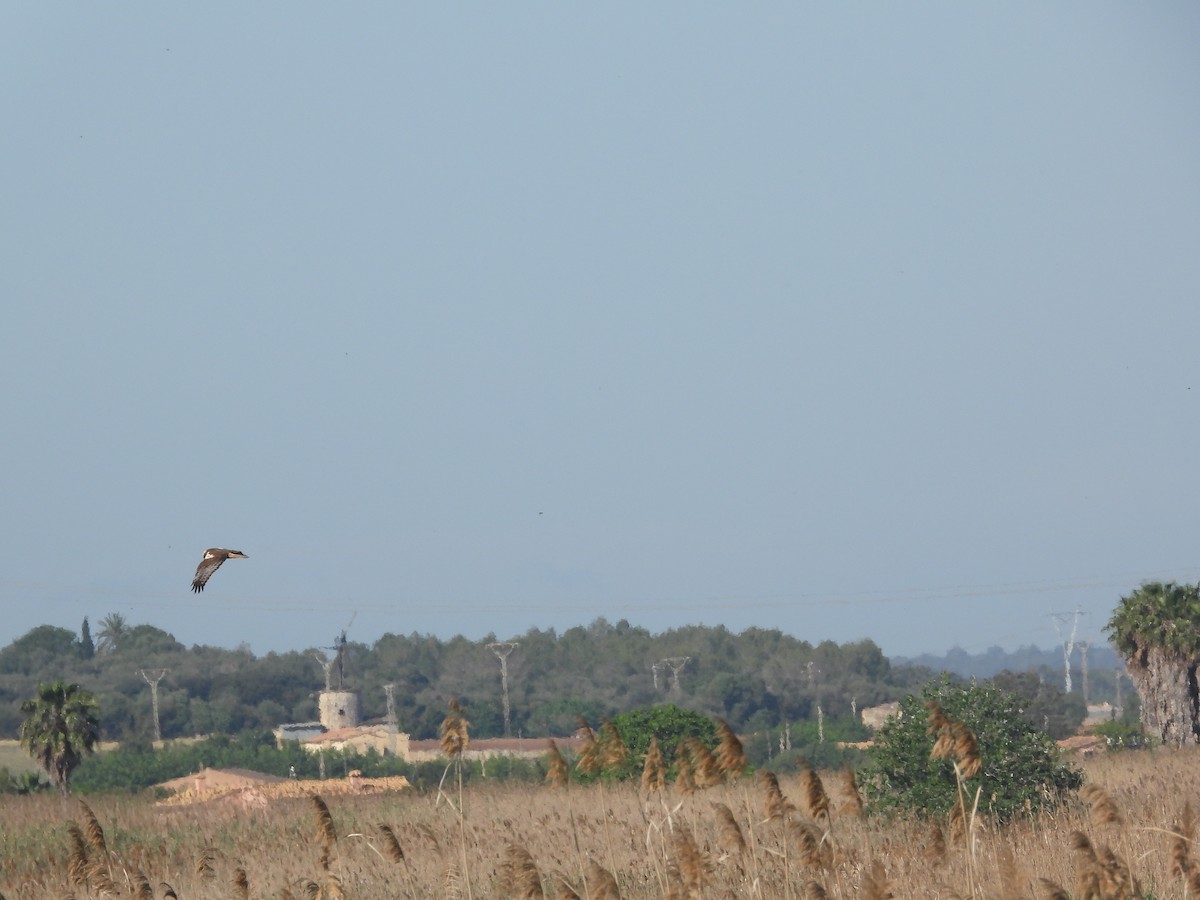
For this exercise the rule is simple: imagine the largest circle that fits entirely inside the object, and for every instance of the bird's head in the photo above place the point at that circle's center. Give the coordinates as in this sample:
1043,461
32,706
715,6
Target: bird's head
237,554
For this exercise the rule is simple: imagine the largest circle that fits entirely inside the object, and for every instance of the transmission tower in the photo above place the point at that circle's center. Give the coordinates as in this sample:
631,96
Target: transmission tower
1083,649
390,690
339,657
327,665
1060,619
152,677
676,664
502,649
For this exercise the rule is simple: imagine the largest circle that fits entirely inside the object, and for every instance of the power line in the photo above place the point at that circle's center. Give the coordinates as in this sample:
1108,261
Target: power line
293,603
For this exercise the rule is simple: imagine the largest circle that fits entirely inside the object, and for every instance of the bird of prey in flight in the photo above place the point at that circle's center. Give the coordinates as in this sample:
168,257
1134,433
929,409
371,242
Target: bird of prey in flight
213,557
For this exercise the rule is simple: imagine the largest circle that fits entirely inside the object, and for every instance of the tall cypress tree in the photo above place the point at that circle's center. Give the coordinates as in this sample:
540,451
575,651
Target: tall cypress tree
87,649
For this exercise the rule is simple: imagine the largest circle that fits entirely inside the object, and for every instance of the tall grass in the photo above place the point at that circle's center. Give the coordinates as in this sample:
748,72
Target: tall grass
1130,836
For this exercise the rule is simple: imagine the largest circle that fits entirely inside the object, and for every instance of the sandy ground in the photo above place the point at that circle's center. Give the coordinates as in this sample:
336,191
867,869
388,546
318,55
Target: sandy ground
256,789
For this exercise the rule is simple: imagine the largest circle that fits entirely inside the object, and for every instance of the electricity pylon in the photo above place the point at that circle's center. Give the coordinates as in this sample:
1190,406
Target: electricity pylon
1083,649
327,665
1060,619
676,664
152,677
392,725
502,649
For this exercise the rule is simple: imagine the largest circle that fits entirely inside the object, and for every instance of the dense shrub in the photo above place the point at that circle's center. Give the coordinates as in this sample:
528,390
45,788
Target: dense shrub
668,723
1120,735
1021,768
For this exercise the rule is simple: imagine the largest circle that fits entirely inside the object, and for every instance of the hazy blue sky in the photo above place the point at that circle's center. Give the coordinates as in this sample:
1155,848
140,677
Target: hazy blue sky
870,320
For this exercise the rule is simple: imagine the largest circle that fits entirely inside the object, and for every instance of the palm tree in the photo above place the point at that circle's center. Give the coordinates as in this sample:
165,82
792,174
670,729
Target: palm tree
1157,630
113,629
61,726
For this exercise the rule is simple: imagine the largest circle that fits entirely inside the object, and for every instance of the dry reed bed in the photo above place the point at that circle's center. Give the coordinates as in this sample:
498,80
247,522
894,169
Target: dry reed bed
739,839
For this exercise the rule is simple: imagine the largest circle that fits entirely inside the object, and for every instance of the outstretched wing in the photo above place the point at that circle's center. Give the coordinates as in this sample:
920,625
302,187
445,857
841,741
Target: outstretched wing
204,571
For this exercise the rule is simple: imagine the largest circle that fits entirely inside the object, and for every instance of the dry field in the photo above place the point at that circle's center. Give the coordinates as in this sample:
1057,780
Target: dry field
733,840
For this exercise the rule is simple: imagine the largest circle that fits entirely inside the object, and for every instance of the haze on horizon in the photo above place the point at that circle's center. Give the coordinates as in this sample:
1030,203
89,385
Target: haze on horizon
868,322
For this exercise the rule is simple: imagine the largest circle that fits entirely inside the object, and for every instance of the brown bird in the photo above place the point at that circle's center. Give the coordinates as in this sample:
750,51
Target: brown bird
213,557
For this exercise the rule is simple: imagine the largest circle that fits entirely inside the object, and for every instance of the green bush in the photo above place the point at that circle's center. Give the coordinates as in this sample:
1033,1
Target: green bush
1021,768
1119,735
668,723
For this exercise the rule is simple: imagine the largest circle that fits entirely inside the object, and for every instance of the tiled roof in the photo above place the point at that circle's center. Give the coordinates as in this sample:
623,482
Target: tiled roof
504,745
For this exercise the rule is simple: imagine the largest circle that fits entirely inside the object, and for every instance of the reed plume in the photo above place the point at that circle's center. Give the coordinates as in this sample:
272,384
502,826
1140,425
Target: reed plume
955,742
99,878
876,885
77,856
704,764
332,888
694,867
808,836
141,887
95,834
168,892
519,874
729,833
731,755
958,822
777,806
325,830
654,769
564,891
614,753
455,737
853,805
814,890
589,761
455,731
966,750
1087,866
815,797
557,772
685,775
1101,808
1052,890
241,884
601,885
204,862
431,839
1116,878
391,843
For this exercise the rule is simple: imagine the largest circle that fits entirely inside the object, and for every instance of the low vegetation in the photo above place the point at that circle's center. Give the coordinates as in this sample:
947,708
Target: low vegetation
994,752
800,836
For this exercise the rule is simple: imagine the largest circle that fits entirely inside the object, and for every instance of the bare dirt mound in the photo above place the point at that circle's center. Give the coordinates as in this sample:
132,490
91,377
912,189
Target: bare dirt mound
257,789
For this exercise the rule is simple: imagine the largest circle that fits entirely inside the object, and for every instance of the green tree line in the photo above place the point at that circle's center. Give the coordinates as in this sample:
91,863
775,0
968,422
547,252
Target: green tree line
760,680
